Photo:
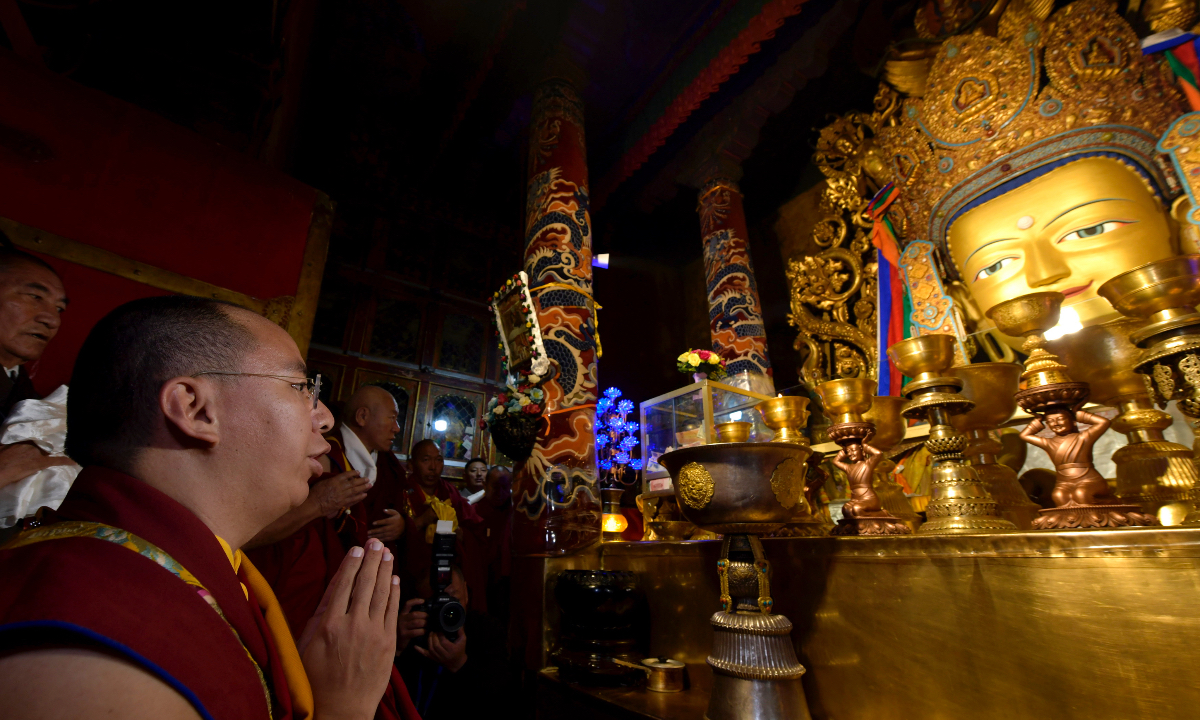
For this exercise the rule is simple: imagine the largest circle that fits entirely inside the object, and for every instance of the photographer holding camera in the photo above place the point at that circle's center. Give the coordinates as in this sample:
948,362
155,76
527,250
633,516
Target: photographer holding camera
445,681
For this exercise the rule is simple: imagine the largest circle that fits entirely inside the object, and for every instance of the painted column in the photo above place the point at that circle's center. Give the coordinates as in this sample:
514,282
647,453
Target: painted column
558,505
734,311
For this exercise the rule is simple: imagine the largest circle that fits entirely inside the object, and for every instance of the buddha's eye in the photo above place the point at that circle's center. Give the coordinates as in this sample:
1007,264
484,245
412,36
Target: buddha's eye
1092,231
993,268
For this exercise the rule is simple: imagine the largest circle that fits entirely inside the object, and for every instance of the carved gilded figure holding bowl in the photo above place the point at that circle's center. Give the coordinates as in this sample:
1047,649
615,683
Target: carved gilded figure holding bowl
846,401
858,461
1081,495
1070,449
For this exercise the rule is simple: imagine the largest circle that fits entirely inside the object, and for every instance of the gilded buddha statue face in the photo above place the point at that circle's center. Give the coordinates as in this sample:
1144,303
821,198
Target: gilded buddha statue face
1069,231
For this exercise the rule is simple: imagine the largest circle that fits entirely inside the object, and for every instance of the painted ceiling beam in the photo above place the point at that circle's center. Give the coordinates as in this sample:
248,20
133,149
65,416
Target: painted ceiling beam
724,65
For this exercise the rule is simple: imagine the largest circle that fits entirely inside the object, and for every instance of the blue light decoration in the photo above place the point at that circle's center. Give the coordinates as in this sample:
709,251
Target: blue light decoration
616,436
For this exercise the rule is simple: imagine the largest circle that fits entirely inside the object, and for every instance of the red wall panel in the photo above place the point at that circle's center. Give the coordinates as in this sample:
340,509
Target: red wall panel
129,181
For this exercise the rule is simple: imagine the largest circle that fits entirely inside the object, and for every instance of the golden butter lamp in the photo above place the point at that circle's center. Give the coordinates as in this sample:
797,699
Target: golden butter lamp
1157,475
744,490
961,503
787,416
1081,496
845,401
890,427
734,432
1165,294
991,386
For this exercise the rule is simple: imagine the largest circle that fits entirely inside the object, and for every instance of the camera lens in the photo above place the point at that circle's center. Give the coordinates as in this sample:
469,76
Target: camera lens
452,617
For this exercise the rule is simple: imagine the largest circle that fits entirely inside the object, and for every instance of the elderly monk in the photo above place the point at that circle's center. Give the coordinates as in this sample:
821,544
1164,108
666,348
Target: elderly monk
424,493
32,301
354,500
196,427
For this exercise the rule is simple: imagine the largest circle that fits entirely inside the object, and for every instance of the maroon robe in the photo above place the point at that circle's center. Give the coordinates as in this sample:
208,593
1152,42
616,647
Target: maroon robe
417,553
300,566
84,592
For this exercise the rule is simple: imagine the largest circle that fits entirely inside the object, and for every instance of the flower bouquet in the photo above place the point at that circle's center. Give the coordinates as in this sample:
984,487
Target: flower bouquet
514,415
616,437
701,364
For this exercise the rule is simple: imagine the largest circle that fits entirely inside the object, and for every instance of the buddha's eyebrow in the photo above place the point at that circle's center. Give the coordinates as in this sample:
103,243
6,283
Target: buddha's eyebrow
1089,202
990,242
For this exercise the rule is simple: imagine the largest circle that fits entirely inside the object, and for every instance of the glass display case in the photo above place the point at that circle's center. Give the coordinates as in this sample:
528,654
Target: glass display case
688,416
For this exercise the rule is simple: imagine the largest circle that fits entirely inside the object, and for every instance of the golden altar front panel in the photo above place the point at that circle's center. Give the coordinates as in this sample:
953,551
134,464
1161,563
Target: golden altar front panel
1088,624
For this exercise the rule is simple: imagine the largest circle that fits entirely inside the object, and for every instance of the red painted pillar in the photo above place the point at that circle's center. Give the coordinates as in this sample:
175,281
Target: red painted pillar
734,311
558,504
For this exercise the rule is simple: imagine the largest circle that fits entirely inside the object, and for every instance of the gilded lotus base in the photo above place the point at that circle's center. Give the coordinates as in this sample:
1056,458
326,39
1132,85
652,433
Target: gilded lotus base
1072,516
961,503
1160,477
756,675
1012,503
1044,397
875,524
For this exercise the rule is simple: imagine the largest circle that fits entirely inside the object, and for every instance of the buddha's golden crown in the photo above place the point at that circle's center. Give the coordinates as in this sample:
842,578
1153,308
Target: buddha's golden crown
988,114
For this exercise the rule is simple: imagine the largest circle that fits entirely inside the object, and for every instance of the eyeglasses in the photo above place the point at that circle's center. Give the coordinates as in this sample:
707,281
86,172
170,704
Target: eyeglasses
309,386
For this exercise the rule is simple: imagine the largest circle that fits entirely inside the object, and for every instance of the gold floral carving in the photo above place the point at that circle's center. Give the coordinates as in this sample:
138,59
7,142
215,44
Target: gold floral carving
695,486
787,481
833,293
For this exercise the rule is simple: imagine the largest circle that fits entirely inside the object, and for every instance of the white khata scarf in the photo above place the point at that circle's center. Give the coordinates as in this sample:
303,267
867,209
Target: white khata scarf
356,453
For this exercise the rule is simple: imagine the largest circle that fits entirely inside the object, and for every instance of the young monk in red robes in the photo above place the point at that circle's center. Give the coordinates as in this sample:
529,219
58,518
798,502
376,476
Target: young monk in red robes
197,428
423,484
299,553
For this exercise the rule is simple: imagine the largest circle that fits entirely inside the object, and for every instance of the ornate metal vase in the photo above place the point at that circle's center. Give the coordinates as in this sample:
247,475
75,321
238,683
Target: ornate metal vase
745,490
961,502
890,427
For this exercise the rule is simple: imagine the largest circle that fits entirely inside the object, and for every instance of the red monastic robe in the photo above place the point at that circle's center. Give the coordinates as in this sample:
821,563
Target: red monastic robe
85,592
300,566
418,553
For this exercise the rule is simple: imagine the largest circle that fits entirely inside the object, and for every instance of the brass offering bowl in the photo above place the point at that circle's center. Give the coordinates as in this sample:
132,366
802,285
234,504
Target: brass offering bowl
961,502
992,387
787,416
1164,293
734,432
845,401
1157,475
748,488
1047,384
890,427
744,490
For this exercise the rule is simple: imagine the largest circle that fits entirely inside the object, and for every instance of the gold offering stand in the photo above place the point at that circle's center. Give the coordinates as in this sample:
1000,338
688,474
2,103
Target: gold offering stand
1158,475
991,386
961,503
845,401
744,490
1165,294
1049,389
787,416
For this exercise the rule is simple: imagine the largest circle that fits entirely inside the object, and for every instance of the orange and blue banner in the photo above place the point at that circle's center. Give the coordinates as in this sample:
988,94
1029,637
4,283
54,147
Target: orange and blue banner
890,329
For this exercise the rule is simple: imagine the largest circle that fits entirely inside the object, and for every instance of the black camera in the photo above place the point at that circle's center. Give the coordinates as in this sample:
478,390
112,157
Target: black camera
444,614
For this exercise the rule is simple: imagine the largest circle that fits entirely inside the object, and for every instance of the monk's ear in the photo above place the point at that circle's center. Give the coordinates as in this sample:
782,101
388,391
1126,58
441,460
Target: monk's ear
362,415
188,404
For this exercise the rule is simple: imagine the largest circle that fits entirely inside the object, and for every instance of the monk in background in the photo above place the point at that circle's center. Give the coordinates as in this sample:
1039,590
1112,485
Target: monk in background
354,500
197,427
427,497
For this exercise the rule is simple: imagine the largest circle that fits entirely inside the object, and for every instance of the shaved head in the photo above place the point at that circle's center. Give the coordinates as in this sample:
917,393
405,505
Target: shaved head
372,397
373,415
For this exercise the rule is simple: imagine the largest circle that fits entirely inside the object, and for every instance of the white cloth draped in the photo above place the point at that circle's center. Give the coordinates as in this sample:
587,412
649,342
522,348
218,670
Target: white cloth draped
360,459
43,423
